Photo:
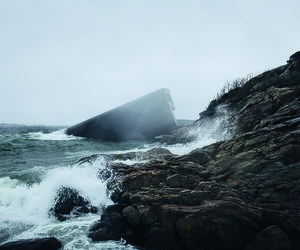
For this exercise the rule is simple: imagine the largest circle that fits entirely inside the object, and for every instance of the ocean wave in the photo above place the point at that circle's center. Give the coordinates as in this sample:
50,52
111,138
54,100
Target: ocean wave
30,204
59,135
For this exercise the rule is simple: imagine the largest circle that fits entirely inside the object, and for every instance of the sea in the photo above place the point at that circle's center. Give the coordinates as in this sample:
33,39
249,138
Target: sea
35,161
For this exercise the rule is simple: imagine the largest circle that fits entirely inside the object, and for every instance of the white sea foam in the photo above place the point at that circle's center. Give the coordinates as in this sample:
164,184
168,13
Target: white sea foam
59,135
181,149
24,209
130,162
206,134
73,234
29,205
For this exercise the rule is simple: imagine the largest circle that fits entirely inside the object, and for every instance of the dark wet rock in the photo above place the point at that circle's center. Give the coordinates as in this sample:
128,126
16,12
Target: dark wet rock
244,184
174,180
132,216
198,156
117,222
268,108
219,225
294,57
4,234
49,243
70,203
271,238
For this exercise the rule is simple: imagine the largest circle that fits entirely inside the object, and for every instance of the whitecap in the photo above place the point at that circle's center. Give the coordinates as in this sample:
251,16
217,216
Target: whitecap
59,135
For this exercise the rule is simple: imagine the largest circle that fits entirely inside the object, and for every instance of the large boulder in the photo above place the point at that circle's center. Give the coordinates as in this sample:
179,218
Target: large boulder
117,222
271,238
69,202
49,243
294,57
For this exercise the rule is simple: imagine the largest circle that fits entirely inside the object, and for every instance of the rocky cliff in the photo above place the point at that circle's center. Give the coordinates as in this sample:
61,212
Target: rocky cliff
239,193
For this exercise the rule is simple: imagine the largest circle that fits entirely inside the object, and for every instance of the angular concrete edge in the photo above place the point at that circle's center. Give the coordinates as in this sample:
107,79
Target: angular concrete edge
144,118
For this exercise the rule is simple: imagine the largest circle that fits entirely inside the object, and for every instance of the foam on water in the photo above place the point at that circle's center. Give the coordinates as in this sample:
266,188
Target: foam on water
206,134
25,208
130,162
59,135
73,234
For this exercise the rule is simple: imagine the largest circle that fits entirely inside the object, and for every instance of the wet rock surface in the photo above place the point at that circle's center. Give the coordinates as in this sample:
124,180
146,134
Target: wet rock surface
117,222
241,193
49,243
69,203
272,238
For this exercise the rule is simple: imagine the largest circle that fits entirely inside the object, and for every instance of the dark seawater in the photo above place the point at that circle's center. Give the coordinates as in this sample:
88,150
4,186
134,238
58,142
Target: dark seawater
23,148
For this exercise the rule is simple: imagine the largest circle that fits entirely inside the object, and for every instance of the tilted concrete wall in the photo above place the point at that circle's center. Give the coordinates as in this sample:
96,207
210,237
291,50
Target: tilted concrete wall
143,118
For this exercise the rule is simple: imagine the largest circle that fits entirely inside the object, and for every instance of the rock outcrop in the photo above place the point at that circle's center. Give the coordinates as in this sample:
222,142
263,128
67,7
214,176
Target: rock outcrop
294,57
69,203
241,193
144,118
49,243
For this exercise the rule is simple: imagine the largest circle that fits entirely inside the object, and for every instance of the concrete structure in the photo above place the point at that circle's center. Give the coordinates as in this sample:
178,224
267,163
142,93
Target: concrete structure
143,118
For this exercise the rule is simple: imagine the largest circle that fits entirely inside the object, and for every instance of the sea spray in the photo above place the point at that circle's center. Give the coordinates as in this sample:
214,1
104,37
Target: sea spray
25,208
206,132
33,202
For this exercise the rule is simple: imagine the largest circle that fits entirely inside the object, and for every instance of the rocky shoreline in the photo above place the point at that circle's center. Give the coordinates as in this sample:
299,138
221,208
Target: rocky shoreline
241,193
238,193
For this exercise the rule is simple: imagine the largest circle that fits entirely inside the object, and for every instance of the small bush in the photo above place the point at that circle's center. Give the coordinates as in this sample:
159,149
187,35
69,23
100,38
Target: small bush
237,83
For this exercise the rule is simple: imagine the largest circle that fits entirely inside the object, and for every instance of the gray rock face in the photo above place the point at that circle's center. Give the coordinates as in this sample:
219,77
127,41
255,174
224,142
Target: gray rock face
143,118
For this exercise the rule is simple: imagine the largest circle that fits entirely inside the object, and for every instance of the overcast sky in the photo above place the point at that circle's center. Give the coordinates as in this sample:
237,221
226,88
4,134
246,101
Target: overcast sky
62,61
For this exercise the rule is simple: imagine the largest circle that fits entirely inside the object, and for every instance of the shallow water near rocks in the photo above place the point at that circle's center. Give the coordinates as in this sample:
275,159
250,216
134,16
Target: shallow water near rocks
35,161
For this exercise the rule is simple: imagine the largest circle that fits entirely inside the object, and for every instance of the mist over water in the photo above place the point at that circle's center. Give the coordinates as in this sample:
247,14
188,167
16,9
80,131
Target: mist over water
36,161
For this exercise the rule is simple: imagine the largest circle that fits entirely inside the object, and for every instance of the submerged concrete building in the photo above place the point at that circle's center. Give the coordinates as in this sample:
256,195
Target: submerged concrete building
144,118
